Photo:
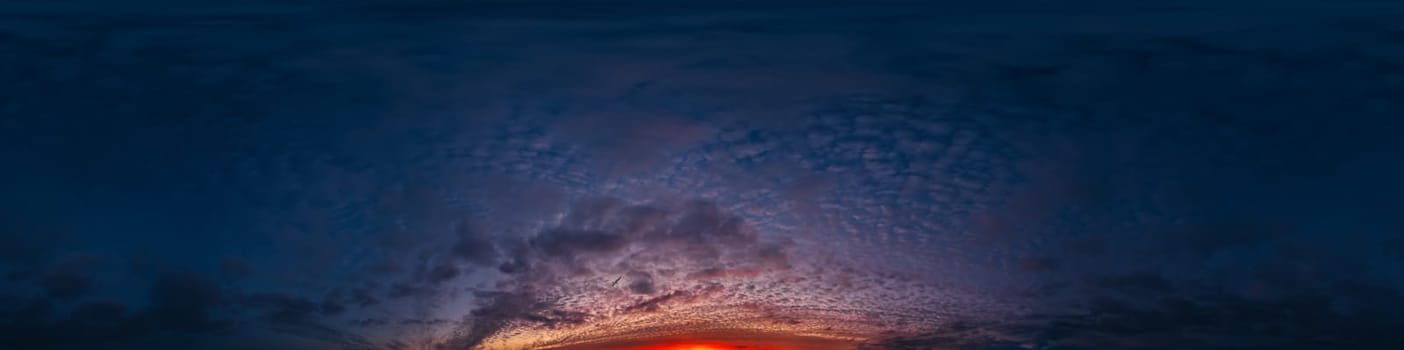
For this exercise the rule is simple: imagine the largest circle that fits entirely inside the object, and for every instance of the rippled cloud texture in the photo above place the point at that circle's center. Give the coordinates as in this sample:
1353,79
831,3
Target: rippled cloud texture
615,175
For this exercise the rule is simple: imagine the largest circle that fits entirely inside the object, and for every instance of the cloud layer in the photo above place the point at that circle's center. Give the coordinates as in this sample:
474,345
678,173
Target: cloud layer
425,174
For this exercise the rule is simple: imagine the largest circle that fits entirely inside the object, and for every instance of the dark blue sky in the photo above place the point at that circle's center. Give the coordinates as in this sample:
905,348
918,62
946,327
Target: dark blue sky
586,174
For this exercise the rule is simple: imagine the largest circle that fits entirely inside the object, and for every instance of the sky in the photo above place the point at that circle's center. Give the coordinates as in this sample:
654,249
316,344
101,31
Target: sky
769,175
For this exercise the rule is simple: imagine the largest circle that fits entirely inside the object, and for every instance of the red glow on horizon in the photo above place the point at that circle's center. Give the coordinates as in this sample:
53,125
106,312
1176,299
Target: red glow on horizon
694,347
684,346
703,346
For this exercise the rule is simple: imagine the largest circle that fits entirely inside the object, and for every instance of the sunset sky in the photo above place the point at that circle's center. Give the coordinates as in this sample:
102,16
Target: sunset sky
701,175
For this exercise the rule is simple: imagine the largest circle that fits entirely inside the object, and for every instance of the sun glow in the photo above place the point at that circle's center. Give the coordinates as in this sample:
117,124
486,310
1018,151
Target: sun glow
718,328
711,345
685,346
695,347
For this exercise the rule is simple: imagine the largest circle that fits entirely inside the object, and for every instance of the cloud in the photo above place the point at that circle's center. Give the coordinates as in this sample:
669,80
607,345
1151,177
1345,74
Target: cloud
1132,284
566,244
1171,157
1219,321
409,290
441,273
362,297
712,273
301,317
185,301
1038,264
180,302
234,268
281,308
600,240
471,246
183,307
65,283
641,282
655,304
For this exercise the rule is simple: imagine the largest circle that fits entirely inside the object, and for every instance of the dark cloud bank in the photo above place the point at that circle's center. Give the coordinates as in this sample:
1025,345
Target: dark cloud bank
1195,176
